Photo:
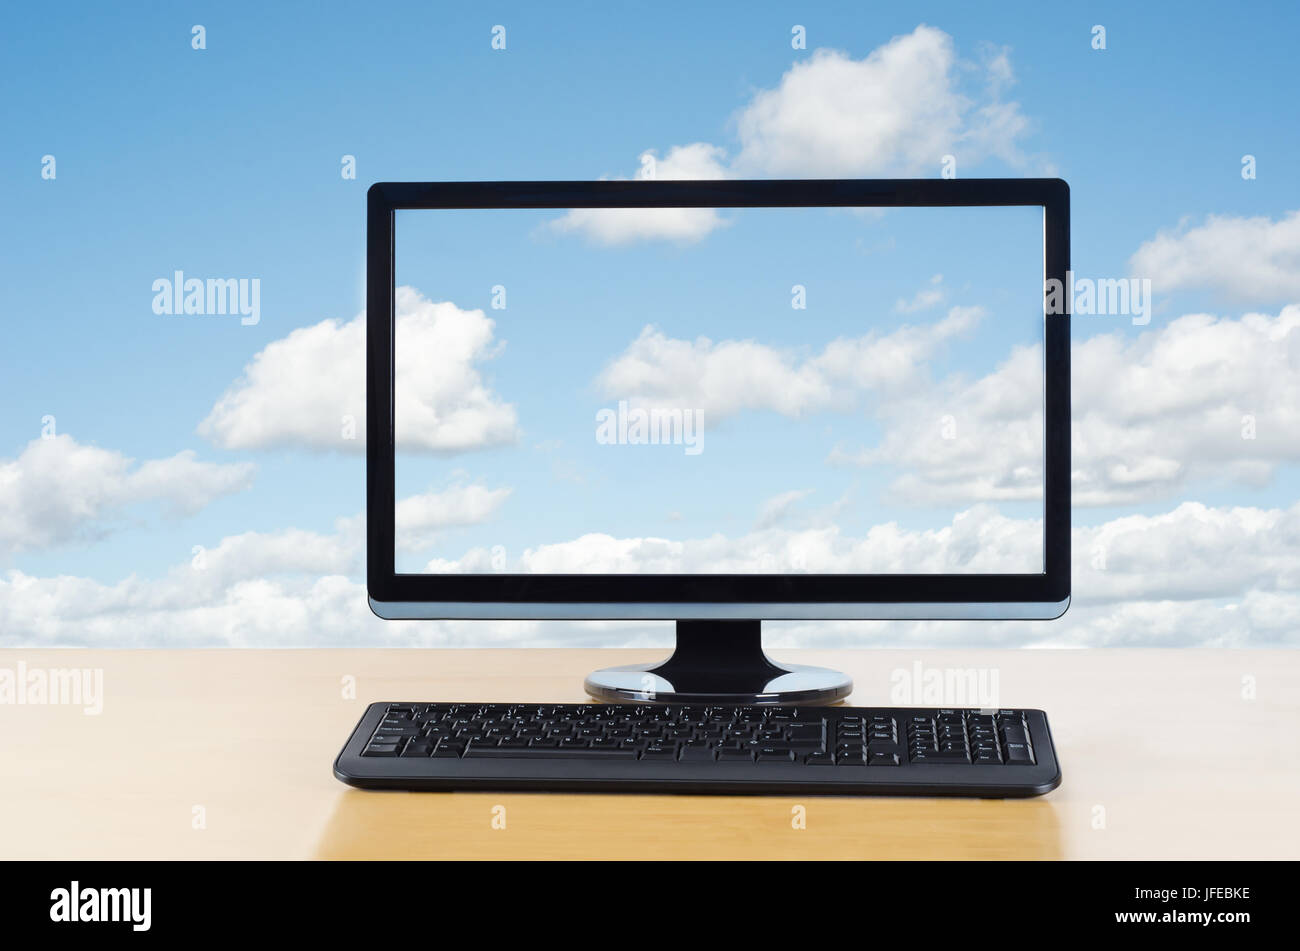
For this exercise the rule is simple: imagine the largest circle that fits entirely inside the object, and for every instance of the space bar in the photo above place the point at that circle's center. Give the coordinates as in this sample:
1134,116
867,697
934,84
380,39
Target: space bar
546,752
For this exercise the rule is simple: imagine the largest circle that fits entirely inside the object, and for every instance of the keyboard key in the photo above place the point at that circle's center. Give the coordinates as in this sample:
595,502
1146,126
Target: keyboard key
474,751
805,732
1019,753
396,732
934,758
735,756
1015,734
692,753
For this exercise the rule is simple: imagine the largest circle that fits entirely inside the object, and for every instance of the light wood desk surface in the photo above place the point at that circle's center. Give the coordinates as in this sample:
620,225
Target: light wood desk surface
227,754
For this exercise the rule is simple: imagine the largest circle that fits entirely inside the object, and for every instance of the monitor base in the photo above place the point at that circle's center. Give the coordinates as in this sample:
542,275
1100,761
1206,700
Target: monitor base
719,662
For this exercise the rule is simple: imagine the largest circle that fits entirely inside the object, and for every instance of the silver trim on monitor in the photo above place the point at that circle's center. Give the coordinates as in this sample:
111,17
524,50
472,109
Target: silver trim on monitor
654,611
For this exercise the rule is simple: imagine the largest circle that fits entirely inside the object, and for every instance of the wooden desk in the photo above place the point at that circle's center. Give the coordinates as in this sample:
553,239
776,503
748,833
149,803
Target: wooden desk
1163,757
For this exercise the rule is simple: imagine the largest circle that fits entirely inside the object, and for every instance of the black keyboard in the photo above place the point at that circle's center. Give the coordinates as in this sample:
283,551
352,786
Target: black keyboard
701,749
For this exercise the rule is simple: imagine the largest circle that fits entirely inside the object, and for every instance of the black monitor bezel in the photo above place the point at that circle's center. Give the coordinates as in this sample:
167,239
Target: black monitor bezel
385,585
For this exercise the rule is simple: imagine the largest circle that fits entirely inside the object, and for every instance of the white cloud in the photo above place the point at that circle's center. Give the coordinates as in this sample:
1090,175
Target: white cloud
1192,553
1256,260
725,377
719,378
927,297
1255,619
289,588
281,589
977,540
1150,413
59,491
419,519
1193,576
623,225
997,65
258,556
298,390
778,508
898,111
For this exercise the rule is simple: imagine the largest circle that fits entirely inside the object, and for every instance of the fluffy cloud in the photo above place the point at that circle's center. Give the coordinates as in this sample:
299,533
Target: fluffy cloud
299,390
977,540
1202,397
898,111
725,377
289,588
624,225
1254,619
961,440
1193,576
59,491
1256,260
420,518
1192,553
1180,555
279,589
262,555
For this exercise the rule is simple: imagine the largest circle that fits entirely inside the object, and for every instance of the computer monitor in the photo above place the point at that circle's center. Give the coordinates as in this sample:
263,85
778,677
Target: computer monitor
718,402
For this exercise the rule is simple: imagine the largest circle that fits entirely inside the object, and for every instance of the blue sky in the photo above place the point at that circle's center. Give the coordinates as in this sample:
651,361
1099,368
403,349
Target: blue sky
225,162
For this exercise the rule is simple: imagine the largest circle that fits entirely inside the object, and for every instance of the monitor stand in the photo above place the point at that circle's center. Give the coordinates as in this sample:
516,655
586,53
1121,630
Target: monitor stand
718,662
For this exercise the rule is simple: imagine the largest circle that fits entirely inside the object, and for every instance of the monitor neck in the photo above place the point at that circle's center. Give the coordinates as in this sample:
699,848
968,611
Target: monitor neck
719,662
